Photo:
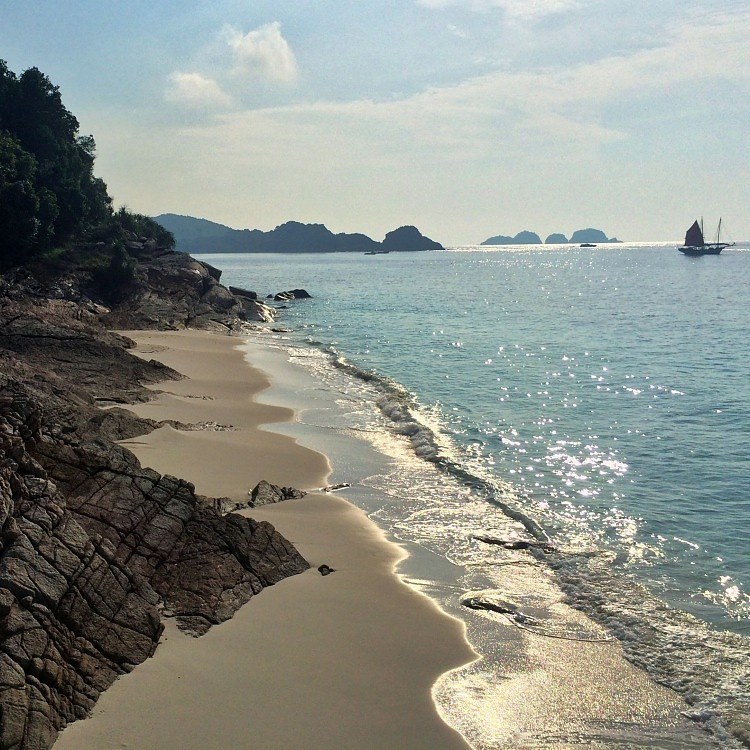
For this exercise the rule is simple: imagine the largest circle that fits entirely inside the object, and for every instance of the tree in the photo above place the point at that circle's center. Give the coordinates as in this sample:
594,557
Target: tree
49,194
54,183
144,226
26,215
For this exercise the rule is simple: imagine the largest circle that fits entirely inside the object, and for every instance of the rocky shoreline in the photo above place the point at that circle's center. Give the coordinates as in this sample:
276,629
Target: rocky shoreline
95,549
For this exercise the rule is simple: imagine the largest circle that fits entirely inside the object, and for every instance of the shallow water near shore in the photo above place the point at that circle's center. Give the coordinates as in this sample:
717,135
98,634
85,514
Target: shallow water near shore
591,399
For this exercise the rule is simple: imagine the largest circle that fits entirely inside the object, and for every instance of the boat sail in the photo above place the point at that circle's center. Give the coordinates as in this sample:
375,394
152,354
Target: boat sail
696,245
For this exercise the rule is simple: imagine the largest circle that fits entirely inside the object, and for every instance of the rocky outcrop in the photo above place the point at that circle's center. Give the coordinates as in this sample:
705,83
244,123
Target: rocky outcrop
591,235
202,564
291,294
254,311
243,293
173,291
522,238
531,238
408,239
95,549
72,614
265,493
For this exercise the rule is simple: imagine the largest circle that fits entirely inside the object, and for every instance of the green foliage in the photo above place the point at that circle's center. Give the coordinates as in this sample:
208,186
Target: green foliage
19,202
50,198
144,226
48,192
125,227
114,274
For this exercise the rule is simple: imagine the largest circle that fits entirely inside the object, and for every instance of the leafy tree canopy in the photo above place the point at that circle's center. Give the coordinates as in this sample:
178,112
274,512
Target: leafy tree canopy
48,192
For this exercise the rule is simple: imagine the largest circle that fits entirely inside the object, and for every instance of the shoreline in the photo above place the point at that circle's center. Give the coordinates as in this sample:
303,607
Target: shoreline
366,657
347,660
558,680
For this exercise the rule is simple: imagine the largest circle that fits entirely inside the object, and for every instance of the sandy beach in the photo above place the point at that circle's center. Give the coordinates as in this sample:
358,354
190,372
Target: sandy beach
342,661
358,658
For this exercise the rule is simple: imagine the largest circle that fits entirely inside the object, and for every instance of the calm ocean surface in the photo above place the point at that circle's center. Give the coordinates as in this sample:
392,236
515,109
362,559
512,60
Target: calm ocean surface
600,397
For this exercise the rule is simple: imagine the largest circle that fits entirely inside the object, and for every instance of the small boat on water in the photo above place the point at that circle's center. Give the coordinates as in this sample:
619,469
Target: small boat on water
696,245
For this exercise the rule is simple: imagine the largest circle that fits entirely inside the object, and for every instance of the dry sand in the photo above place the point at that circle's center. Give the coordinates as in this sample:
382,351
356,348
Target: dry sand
345,661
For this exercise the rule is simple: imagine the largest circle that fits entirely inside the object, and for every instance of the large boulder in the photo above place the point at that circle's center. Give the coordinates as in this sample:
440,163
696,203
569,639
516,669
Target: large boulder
243,293
173,291
291,294
255,311
265,493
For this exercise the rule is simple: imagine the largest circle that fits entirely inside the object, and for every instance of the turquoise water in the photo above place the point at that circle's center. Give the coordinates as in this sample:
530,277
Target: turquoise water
599,395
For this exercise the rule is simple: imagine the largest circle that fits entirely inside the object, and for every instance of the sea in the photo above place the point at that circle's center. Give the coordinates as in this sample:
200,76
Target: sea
582,412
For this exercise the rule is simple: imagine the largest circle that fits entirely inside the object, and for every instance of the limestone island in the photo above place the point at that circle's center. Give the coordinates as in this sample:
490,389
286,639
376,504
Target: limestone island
202,236
580,236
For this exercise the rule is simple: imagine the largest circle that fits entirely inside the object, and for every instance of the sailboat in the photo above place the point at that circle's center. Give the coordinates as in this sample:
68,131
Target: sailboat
696,245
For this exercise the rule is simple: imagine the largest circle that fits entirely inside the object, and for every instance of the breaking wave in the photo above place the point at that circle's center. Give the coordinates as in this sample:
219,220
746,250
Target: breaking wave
409,419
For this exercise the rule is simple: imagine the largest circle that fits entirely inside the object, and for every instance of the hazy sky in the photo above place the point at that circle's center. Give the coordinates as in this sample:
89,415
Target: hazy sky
468,118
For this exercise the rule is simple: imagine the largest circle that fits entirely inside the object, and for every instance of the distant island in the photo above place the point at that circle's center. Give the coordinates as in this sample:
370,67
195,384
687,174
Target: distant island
587,236
203,236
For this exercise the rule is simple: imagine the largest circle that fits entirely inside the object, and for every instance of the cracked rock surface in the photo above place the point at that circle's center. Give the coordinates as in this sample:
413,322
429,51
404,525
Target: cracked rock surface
94,548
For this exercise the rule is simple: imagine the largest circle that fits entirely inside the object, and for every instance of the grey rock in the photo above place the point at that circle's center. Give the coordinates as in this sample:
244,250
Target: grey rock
174,291
256,311
292,294
239,292
265,493
92,545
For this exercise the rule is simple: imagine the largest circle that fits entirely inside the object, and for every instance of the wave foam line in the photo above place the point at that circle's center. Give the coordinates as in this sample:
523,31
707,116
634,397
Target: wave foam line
401,409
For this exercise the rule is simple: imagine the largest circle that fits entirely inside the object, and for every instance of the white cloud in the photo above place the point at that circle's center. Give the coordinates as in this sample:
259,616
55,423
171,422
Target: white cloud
238,62
196,91
536,141
262,53
505,116
707,48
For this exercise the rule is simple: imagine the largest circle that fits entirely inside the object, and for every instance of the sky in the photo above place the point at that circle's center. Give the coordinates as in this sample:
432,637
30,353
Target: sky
466,118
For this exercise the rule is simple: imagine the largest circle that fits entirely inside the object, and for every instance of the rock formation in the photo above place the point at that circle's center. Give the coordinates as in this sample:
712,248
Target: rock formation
202,236
522,238
94,548
531,238
408,238
172,290
290,295
590,235
265,493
